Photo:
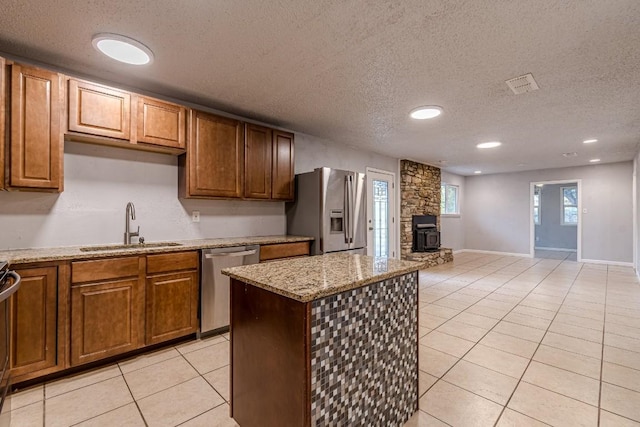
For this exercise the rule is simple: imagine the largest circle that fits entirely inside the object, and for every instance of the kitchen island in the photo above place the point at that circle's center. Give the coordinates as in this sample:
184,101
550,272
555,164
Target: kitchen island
324,340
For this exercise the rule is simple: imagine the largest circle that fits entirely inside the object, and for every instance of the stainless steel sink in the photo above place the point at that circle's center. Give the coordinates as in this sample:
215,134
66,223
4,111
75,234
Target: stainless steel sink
131,246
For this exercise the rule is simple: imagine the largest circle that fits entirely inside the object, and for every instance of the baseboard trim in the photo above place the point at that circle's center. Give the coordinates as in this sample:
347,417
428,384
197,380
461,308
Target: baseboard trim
478,251
457,251
556,249
601,261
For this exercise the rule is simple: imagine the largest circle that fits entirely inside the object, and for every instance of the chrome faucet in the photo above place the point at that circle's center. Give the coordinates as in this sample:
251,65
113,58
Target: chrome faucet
129,213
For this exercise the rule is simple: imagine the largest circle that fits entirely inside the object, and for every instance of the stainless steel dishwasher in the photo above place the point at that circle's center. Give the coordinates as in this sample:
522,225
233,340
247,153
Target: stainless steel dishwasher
215,287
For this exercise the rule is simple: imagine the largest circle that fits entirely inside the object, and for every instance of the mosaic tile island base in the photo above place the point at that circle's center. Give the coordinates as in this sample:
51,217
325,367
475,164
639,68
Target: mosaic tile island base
323,341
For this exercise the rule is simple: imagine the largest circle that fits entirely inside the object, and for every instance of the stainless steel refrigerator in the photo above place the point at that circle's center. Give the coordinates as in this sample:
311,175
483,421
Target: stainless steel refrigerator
330,205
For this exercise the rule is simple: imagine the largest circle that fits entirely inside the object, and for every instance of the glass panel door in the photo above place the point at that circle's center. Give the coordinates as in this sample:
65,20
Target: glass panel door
380,218
380,214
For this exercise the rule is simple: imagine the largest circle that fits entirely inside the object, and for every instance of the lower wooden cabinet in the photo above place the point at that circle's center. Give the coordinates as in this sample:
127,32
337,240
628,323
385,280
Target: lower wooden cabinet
172,296
107,318
172,306
122,304
284,250
33,319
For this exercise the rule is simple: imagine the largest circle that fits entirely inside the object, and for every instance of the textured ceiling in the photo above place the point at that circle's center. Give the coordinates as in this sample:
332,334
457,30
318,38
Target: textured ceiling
350,71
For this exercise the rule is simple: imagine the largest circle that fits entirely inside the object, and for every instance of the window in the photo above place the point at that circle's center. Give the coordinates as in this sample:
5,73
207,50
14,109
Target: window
569,205
537,192
449,200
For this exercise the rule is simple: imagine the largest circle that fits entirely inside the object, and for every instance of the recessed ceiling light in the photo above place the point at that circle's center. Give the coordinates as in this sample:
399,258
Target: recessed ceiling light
123,49
492,144
594,160
426,112
573,154
477,172
589,141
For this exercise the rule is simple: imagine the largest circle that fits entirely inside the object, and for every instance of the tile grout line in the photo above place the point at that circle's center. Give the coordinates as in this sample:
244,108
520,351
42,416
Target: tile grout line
135,401
498,321
539,344
604,328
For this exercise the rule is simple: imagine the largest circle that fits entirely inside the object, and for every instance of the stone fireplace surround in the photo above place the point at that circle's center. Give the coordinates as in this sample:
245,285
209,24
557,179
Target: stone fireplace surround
419,195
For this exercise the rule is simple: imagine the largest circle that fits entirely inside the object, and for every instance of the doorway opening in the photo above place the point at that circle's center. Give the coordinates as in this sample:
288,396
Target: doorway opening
556,220
381,230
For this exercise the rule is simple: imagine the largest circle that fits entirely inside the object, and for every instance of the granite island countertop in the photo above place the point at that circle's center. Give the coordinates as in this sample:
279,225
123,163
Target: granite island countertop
24,256
309,278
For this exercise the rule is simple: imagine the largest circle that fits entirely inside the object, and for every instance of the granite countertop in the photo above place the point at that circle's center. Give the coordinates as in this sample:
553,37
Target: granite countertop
23,256
310,278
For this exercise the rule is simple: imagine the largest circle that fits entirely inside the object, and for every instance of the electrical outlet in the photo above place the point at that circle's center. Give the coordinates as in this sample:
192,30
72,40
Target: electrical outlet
195,216
584,210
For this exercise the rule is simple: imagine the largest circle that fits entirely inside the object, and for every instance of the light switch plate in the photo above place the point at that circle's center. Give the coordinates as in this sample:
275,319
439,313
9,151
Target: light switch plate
195,216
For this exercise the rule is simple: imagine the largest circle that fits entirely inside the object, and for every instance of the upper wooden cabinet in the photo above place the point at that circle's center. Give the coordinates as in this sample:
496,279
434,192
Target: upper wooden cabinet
268,163
257,163
160,123
214,164
282,180
35,147
104,115
99,110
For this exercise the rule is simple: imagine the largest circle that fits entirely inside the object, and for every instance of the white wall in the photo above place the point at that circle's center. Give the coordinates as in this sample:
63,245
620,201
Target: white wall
99,181
497,210
452,226
312,152
636,212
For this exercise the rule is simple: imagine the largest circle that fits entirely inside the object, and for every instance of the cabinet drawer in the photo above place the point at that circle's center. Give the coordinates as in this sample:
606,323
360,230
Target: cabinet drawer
283,250
104,269
162,263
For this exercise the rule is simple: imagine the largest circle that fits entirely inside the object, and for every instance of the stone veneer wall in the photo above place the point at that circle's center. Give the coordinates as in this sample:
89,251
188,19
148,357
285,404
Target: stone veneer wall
419,195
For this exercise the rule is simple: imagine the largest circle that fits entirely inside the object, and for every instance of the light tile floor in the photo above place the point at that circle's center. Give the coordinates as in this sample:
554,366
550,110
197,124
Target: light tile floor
504,341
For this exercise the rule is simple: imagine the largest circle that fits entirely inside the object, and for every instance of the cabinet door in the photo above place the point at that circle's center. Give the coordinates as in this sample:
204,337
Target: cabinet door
107,318
33,321
2,119
282,175
98,110
36,137
161,123
215,157
172,306
257,166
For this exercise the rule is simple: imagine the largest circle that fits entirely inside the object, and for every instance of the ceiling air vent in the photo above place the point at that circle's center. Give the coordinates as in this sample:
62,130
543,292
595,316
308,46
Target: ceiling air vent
522,84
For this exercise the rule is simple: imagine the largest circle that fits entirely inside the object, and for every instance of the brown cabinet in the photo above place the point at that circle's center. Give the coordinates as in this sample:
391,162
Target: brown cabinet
160,123
2,119
284,250
172,296
98,110
257,161
214,164
107,308
282,181
33,320
35,148
268,163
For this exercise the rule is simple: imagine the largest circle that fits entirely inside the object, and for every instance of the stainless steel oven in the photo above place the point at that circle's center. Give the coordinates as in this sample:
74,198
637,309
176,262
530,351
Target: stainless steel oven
9,284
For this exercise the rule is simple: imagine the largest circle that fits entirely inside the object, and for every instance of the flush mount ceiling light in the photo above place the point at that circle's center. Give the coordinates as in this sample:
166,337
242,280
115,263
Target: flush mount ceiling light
477,172
589,141
426,112
492,144
123,49
594,160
